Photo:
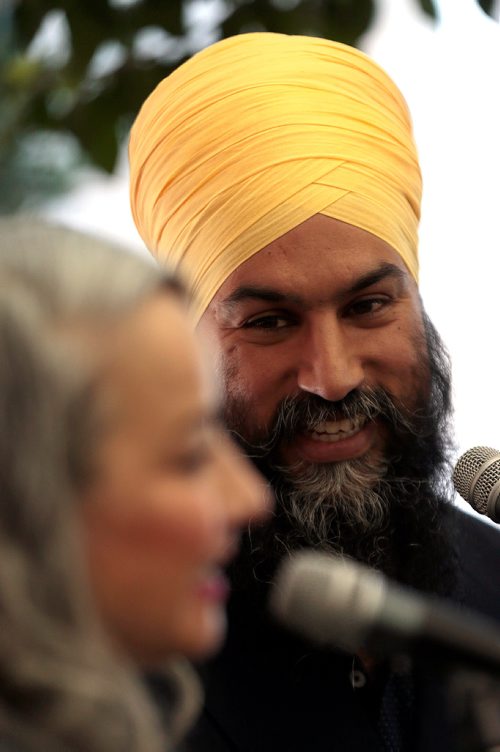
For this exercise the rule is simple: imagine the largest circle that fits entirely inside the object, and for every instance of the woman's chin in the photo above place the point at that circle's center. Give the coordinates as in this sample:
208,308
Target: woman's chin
210,635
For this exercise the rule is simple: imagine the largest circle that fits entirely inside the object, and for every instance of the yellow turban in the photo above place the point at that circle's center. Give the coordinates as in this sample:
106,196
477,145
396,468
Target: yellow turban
259,132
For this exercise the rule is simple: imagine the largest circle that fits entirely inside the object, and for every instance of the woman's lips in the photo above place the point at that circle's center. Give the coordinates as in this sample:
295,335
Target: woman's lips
214,587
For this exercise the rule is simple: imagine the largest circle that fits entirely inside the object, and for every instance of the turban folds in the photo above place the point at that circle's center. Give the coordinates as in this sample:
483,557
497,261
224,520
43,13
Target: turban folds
256,134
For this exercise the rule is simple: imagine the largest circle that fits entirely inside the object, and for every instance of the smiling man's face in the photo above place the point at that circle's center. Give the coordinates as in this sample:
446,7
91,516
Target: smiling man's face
326,311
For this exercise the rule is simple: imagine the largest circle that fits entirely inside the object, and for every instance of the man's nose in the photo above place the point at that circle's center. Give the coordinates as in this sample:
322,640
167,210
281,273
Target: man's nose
331,365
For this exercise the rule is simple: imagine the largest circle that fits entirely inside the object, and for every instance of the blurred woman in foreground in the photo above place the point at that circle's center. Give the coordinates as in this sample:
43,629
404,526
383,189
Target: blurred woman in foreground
121,500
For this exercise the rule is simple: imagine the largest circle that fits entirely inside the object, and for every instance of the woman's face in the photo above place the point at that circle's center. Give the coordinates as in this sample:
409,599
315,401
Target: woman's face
163,513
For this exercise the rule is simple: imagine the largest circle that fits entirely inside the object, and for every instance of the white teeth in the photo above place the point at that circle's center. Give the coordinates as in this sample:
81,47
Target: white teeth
336,430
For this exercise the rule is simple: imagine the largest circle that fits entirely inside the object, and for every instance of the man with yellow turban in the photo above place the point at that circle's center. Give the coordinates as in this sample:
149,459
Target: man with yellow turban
280,175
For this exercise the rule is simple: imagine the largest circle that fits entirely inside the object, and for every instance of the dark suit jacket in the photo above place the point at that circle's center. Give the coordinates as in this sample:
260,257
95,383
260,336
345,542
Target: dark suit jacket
270,691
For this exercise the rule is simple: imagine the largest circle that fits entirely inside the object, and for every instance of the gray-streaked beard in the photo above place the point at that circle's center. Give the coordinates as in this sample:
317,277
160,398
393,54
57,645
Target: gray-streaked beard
312,497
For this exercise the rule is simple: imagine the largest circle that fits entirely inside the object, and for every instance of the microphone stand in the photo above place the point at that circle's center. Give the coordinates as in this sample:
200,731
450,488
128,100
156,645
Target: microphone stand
474,699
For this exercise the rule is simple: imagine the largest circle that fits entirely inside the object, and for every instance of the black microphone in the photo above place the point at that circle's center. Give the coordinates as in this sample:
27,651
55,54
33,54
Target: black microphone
476,478
337,602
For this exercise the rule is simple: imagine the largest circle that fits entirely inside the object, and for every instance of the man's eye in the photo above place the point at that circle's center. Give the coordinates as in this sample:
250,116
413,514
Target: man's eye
367,306
273,321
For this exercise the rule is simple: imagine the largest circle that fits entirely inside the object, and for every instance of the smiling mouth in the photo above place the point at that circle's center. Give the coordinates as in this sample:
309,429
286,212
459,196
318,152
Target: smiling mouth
331,431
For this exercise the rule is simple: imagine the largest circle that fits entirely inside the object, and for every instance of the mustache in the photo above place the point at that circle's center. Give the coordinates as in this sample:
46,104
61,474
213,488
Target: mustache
304,412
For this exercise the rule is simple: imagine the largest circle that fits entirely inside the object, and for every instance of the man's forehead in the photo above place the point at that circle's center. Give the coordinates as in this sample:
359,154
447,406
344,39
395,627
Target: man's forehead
323,257
284,293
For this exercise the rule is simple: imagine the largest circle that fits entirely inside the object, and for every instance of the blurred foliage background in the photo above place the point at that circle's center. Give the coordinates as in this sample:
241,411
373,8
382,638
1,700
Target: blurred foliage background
74,73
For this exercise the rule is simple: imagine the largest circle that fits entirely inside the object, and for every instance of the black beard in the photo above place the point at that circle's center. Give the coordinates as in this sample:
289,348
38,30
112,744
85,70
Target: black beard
389,512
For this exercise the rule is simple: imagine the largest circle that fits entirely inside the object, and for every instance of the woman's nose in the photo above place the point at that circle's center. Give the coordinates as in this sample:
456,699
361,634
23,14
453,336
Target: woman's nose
246,494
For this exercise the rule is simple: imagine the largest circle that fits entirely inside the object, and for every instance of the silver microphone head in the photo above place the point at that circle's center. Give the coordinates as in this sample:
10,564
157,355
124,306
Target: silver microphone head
476,478
338,602
327,599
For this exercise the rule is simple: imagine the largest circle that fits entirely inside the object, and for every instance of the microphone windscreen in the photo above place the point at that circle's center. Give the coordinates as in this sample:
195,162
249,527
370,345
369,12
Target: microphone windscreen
475,476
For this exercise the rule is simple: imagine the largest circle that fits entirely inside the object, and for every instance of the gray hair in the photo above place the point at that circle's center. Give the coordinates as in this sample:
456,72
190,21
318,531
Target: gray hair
60,680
